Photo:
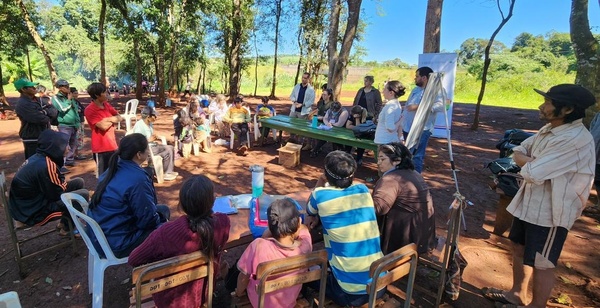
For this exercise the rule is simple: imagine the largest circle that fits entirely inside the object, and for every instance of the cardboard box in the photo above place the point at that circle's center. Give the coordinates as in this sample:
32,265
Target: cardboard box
289,155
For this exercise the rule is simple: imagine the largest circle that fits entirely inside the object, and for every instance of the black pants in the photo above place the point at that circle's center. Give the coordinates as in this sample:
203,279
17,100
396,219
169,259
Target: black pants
30,148
240,130
102,160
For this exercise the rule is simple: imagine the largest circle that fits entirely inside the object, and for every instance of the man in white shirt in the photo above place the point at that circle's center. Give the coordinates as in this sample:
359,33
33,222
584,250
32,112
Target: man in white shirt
557,165
145,127
302,97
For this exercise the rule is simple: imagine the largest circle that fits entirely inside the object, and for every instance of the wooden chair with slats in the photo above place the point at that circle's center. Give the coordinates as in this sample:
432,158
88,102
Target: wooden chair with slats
169,273
34,232
391,268
279,274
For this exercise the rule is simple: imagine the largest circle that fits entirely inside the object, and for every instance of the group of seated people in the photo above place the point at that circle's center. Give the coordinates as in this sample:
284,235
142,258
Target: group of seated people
359,227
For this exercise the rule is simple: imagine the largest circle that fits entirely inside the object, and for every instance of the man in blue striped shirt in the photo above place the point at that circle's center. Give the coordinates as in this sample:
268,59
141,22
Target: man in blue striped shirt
350,229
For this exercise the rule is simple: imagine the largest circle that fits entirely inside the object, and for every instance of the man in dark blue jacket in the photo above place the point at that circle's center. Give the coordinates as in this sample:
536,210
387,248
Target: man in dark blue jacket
35,116
36,188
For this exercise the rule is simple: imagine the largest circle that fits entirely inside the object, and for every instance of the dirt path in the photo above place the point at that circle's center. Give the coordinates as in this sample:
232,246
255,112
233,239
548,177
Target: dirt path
489,261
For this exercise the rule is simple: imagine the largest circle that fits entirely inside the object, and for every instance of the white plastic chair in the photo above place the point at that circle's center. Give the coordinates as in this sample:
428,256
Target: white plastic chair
257,133
130,113
232,135
97,261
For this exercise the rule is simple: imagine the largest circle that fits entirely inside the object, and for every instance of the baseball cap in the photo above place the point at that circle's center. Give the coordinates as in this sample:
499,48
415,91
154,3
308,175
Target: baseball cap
282,210
571,94
148,111
24,82
62,83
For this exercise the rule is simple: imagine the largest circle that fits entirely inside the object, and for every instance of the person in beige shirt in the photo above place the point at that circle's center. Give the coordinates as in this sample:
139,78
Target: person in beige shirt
557,165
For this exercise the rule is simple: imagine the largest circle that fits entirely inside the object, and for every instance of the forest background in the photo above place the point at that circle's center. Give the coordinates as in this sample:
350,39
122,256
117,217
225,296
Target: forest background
193,41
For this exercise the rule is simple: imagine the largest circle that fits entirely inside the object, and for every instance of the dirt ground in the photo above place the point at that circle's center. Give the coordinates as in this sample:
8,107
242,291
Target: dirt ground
59,278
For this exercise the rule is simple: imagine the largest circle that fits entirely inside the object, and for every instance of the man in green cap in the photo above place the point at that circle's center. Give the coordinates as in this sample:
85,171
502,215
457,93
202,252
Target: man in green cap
35,116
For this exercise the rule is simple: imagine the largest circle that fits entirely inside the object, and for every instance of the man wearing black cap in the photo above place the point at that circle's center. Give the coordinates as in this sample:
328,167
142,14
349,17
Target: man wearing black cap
68,118
35,115
557,165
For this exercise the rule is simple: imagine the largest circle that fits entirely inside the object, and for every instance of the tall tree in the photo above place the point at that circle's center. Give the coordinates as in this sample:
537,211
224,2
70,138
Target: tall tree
102,42
339,61
587,52
38,40
13,37
121,6
433,22
487,60
278,12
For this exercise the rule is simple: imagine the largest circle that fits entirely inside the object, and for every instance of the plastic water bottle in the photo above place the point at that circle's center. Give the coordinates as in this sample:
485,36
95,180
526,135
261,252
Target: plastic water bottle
258,180
315,121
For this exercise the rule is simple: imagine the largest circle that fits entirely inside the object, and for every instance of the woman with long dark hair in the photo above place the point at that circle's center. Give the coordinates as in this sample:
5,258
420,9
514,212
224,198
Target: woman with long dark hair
125,204
402,201
198,229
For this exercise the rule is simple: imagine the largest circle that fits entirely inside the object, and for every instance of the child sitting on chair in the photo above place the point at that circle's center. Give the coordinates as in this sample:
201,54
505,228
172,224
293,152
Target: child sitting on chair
201,133
186,137
264,111
199,229
286,237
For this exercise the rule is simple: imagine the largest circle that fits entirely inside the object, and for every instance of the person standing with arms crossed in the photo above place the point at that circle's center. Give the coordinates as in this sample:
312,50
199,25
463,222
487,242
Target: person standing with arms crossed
35,115
101,118
557,165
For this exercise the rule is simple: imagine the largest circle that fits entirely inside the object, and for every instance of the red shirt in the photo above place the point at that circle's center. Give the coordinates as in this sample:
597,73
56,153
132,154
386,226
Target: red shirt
102,141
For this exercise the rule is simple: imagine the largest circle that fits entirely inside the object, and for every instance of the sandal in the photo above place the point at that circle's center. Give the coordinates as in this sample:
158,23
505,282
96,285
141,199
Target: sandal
496,295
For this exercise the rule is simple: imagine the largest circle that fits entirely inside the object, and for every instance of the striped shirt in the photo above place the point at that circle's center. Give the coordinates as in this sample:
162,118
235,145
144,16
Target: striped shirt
350,233
557,182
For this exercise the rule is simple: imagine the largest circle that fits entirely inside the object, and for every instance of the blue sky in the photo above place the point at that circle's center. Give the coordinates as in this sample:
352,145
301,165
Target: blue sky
399,32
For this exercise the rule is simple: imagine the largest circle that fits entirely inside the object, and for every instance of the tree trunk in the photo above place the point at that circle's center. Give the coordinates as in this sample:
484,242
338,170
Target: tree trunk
277,18
337,65
236,50
433,22
38,41
101,37
587,52
160,73
2,95
487,60
299,58
332,42
255,61
122,8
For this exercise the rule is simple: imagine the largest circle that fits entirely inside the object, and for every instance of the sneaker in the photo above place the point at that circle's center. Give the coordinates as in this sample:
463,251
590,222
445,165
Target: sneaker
307,147
170,177
64,170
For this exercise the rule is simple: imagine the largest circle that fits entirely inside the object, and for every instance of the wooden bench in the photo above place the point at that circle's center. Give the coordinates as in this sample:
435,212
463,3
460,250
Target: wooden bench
169,273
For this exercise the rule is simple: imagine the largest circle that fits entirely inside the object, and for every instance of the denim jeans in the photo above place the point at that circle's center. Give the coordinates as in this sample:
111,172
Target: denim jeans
419,152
